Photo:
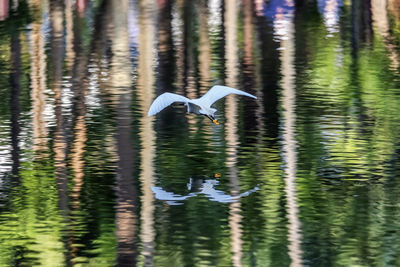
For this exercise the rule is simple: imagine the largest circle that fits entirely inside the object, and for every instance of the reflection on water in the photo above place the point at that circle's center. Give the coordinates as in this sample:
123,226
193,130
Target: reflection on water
231,49
198,186
288,136
309,172
121,98
146,94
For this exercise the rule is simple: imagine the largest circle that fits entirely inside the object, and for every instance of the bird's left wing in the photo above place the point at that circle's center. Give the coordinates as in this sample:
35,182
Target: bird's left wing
218,91
164,100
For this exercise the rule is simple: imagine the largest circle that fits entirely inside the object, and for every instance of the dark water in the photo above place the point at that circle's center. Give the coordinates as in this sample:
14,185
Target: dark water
306,175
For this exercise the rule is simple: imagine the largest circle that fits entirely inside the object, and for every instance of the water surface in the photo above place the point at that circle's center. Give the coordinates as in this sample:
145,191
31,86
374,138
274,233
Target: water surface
305,175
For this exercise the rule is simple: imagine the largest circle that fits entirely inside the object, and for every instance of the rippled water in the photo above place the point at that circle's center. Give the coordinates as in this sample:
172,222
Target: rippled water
307,174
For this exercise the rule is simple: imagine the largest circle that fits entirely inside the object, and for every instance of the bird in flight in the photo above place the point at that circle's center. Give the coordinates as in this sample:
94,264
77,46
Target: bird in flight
200,106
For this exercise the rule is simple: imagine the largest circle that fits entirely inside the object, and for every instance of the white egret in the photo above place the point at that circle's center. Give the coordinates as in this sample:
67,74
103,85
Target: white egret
200,106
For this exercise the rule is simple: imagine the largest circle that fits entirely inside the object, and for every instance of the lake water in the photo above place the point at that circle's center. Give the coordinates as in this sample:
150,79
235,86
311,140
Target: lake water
308,174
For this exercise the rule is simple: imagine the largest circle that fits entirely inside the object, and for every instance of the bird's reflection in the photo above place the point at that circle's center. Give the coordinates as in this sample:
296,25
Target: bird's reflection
200,186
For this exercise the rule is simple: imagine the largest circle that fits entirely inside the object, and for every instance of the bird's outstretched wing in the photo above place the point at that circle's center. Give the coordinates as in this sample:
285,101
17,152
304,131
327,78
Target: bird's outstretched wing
217,92
164,100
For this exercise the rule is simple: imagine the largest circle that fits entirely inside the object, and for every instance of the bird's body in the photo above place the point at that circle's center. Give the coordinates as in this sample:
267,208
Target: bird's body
200,106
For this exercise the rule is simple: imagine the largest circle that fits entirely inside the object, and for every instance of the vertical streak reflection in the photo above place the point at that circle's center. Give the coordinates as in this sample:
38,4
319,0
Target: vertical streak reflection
60,140
381,23
190,17
79,61
204,48
120,79
38,84
15,75
69,39
147,135
178,36
289,140
250,63
231,57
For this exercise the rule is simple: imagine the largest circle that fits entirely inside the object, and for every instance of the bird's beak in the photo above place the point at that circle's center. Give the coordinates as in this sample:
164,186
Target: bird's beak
214,120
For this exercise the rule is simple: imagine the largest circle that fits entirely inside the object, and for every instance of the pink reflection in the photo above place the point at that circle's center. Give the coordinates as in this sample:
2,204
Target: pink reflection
3,9
259,7
81,6
161,3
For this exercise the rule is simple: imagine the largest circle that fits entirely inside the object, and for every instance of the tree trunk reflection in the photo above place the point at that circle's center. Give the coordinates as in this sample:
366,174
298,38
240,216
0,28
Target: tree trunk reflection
121,88
231,111
15,75
289,138
60,140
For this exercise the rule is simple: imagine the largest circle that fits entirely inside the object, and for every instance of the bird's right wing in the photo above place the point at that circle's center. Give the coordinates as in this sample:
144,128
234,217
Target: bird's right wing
164,100
218,91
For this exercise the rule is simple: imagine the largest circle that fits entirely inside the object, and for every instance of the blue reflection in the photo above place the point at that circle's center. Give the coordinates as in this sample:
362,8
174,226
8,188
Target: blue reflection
330,10
281,15
198,186
278,8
